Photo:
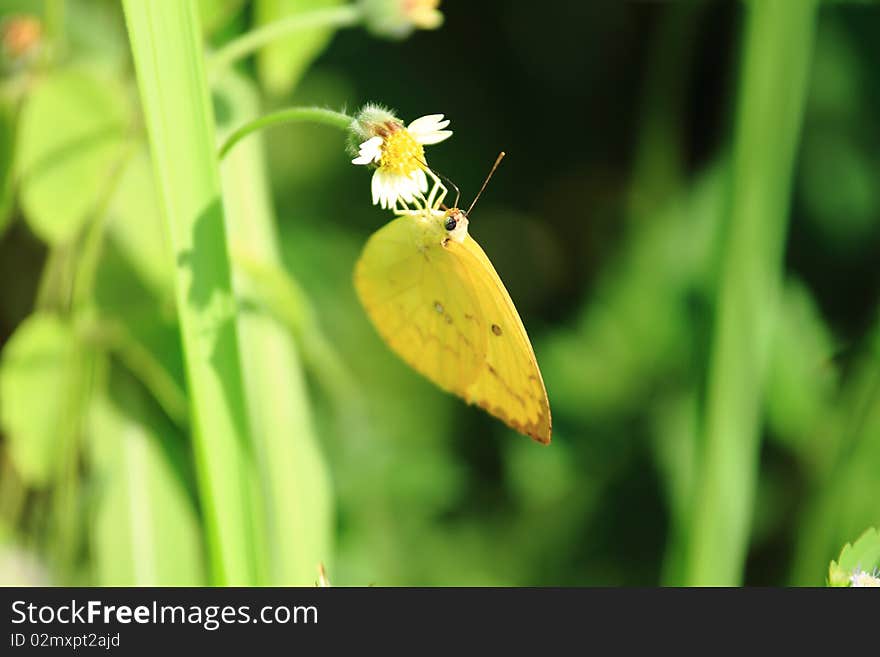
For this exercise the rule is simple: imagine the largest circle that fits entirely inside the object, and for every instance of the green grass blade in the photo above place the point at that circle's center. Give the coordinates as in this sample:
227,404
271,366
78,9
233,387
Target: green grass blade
166,44
294,477
775,70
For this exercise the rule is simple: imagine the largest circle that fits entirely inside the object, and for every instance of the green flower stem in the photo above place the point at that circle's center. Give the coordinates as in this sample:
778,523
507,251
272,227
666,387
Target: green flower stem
774,75
112,336
250,42
89,252
290,115
55,288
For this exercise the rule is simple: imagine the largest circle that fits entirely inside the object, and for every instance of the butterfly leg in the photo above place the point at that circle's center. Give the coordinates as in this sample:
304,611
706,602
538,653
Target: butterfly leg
401,208
438,191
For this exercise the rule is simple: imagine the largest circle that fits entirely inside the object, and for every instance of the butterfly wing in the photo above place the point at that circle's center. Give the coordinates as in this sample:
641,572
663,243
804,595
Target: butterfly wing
413,297
509,385
445,311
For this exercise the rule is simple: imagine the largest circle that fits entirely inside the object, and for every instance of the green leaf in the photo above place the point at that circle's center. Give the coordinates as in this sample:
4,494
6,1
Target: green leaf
146,531
135,225
94,36
71,133
280,65
863,555
37,368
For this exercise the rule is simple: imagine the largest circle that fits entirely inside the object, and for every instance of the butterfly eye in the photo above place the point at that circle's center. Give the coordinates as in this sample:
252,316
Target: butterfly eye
451,223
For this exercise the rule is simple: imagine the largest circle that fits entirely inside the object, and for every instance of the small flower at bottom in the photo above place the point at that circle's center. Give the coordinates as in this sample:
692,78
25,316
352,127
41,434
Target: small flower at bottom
397,152
861,578
323,581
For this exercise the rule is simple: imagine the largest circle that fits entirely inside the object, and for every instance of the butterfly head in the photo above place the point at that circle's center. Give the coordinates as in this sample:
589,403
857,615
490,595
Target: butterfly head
455,225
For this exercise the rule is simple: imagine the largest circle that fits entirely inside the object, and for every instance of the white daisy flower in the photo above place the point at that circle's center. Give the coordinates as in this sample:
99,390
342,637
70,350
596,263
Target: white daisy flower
397,152
861,578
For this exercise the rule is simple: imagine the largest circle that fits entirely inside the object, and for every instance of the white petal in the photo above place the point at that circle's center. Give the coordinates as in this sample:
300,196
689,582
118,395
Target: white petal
393,191
429,123
376,185
405,191
370,151
413,182
389,193
382,191
372,144
386,190
428,138
421,180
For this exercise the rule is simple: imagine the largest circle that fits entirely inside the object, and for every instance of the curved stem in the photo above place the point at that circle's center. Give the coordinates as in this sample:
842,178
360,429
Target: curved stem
250,42
290,115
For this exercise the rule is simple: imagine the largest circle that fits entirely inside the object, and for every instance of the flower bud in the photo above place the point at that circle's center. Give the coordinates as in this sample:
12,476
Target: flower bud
397,19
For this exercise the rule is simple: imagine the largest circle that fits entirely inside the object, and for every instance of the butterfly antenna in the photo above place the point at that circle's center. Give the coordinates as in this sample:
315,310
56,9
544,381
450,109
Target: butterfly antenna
444,179
486,182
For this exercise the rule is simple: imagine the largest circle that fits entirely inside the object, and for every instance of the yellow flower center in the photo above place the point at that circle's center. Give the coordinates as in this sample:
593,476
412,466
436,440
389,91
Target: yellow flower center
401,153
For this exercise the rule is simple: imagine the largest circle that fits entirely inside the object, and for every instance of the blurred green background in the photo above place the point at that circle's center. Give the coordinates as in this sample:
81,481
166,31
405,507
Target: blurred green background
634,131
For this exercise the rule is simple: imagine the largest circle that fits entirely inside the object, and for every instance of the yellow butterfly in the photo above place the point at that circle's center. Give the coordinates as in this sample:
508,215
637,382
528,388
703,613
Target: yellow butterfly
434,296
